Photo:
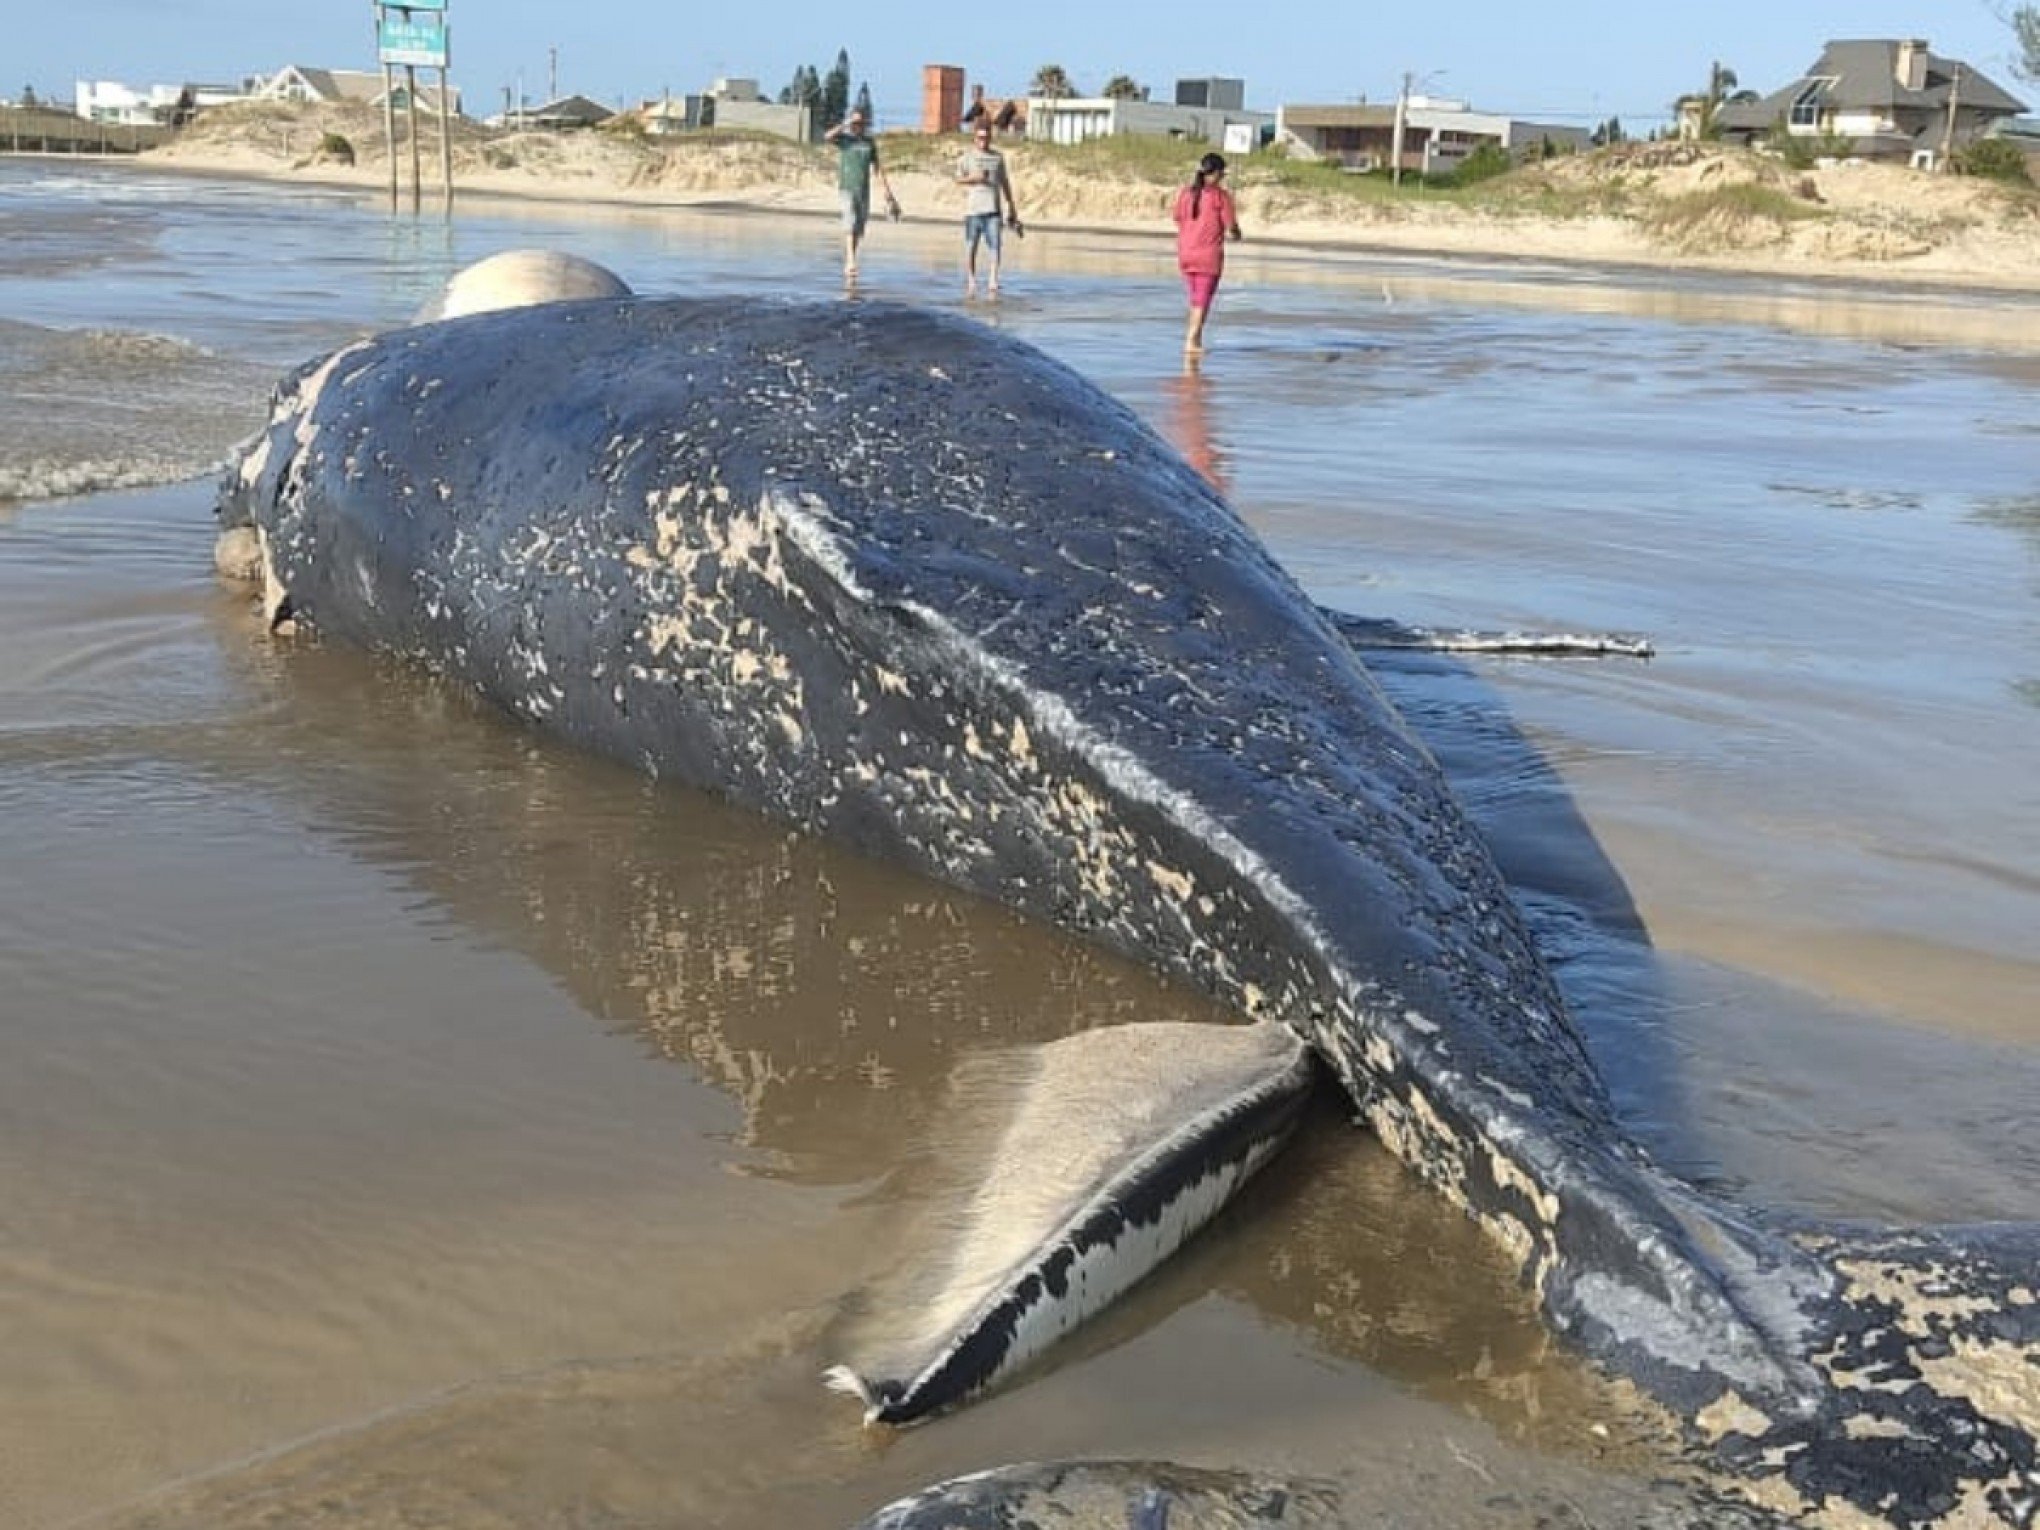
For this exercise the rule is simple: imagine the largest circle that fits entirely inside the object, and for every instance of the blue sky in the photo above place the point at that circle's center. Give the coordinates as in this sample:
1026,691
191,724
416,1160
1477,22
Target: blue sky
1583,61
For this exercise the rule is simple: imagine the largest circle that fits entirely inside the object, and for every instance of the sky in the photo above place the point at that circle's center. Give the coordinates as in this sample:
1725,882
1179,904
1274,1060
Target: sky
1582,62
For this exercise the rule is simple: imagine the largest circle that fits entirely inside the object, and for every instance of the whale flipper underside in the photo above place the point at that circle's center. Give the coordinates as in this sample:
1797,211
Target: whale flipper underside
1078,1167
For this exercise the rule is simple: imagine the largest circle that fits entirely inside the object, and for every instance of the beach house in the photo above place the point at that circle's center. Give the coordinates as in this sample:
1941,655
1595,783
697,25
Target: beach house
1430,135
1887,99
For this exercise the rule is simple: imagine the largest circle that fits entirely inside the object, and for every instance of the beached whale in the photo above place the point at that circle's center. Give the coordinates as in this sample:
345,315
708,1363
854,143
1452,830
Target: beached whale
889,576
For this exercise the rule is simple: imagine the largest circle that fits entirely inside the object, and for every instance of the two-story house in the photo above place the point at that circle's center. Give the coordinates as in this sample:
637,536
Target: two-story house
1892,100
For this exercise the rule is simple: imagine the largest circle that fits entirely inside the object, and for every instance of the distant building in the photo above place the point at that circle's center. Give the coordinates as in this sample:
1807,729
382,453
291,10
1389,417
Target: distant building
1436,134
331,87
740,104
1212,113
1005,114
728,103
565,114
941,98
670,114
168,105
1886,99
1214,93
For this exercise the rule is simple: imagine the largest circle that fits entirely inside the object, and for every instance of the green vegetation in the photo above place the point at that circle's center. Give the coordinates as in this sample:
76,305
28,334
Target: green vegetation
1802,152
1052,81
335,147
1994,159
1721,91
1691,218
1484,164
1486,177
2025,22
828,95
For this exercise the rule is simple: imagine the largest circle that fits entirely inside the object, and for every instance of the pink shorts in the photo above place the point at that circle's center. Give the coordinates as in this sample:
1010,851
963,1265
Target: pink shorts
1203,287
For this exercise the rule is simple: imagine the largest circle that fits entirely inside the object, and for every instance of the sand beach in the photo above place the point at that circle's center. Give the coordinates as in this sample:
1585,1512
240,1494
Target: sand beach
1668,206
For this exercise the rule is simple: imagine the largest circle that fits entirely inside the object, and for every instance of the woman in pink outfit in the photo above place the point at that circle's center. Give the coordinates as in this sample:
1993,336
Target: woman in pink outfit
1205,219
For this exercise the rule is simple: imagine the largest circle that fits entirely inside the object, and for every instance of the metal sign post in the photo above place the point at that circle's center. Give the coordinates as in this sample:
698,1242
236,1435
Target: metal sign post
414,33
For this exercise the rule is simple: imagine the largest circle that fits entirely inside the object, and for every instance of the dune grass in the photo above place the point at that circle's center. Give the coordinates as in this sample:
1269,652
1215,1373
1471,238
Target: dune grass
1722,208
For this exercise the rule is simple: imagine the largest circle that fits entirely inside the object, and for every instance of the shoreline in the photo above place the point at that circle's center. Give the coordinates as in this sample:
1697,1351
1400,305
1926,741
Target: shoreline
1663,208
1992,314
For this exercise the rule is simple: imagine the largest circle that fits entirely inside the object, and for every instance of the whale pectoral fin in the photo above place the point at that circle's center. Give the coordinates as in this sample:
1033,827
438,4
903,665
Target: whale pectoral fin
1094,1159
1379,633
1929,1342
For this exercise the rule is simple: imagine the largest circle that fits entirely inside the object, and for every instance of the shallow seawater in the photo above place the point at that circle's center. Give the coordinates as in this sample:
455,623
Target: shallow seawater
404,1120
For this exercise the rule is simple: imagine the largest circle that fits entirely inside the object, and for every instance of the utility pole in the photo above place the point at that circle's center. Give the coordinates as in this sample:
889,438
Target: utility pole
1948,133
552,73
1402,112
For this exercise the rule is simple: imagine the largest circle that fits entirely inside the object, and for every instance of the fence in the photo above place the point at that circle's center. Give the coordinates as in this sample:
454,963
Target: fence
44,130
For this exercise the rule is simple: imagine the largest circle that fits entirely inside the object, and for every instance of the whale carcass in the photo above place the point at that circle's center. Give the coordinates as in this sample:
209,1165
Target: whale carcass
889,576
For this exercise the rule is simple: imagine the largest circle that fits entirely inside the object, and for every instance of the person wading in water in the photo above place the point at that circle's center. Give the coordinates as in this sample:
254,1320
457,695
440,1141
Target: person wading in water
1205,219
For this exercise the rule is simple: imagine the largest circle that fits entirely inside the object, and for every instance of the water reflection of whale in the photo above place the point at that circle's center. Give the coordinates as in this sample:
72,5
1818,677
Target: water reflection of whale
828,995
740,546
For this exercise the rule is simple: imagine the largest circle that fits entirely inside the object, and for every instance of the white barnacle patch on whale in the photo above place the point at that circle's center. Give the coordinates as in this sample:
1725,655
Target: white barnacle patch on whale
1075,1168
1731,1413
1938,1317
1177,884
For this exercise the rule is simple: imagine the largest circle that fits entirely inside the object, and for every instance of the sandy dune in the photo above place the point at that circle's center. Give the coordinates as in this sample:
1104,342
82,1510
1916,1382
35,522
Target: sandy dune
1656,204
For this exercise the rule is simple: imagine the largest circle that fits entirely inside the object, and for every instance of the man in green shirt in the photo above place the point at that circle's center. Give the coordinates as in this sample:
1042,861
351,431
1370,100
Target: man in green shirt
856,158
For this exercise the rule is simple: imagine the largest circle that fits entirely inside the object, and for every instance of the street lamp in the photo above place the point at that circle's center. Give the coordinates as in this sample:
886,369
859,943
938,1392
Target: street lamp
1402,117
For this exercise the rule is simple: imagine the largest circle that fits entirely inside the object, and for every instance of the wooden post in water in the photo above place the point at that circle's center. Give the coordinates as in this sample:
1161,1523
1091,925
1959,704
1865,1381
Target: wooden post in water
389,112
411,110
445,141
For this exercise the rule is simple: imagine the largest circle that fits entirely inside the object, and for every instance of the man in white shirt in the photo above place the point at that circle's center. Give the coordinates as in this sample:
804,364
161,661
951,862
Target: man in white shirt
982,173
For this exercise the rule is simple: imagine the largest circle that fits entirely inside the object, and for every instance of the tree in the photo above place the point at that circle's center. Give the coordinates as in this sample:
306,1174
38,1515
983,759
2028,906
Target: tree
836,89
1609,132
805,89
1052,81
864,101
1124,87
1720,81
1706,108
2025,23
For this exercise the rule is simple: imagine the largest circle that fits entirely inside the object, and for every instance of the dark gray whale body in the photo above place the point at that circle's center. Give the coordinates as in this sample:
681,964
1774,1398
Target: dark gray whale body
888,576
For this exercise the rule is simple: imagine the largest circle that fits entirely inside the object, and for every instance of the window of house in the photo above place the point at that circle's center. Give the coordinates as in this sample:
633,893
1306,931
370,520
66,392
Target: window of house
1806,105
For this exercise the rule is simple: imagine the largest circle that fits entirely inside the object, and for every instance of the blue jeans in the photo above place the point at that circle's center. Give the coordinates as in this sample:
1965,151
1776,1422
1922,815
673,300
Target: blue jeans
983,226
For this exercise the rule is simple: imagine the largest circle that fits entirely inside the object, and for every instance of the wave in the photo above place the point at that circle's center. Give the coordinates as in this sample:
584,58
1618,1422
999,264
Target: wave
93,409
